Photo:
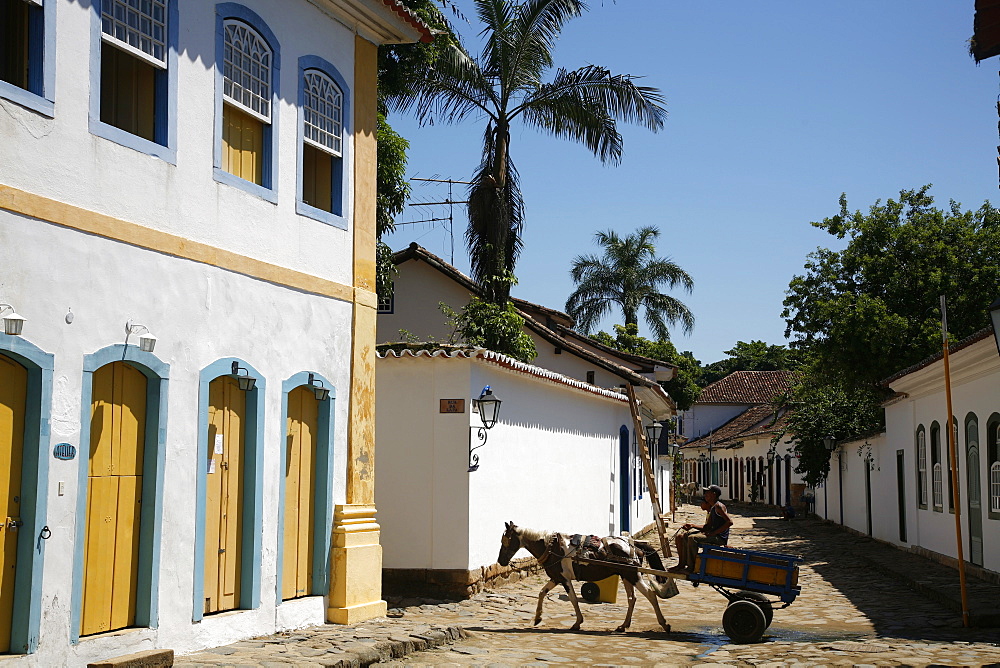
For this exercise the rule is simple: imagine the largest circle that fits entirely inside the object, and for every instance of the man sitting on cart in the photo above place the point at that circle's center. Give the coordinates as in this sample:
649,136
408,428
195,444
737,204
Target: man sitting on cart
715,531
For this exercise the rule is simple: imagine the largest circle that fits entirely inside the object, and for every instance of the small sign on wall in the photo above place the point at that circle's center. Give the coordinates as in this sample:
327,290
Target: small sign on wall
453,405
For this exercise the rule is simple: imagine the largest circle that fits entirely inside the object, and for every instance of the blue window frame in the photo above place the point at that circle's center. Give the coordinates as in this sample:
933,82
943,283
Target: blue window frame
323,132
240,86
133,75
27,54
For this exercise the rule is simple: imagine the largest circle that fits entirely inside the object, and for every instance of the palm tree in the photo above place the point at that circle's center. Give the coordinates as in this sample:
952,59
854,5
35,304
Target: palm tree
504,84
629,276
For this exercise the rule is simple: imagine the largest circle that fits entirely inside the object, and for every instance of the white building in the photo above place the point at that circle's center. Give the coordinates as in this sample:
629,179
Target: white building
562,456
896,486
202,171
731,431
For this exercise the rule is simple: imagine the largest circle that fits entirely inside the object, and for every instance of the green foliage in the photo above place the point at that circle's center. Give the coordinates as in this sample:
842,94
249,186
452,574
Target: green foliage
872,309
822,408
753,356
683,387
505,84
496,328
392,187
861,314
629,276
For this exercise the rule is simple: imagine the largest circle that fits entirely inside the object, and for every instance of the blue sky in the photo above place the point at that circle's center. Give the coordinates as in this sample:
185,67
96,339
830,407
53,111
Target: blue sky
775,109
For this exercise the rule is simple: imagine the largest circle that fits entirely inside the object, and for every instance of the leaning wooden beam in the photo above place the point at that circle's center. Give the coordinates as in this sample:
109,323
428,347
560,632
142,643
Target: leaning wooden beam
647,468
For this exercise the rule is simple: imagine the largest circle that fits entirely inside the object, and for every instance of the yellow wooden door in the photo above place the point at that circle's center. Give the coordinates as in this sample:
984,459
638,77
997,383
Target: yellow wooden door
114,497
13,389
300,492
224,494
242,144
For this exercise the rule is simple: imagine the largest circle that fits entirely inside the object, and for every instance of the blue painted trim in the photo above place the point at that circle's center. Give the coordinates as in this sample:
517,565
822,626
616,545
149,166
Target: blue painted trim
341,216
253,491
157,373
165,146
40,97
624,474
323,499
268,190
34,491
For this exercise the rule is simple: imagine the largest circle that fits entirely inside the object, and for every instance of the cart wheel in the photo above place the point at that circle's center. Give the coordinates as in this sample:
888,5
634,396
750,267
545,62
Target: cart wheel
744,622
590,592
760,600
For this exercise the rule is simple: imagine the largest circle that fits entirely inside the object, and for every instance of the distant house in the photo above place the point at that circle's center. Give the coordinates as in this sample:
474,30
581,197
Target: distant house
562,455
896,486
729,433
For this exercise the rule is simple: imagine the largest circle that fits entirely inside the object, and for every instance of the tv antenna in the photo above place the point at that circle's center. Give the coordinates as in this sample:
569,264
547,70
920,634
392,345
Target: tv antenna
450,201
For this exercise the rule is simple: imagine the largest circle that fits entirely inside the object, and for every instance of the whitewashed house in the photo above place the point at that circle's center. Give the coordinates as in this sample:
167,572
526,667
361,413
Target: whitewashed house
187,226
730,432
562,455
896,486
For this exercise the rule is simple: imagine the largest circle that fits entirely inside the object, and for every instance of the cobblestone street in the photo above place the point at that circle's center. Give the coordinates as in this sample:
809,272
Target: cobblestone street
849,613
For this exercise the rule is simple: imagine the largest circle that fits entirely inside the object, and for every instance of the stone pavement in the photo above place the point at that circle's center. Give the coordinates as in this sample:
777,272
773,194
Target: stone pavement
862,603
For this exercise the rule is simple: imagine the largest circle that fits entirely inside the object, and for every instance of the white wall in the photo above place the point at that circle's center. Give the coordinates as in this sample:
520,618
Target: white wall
701,419
418,289
551,462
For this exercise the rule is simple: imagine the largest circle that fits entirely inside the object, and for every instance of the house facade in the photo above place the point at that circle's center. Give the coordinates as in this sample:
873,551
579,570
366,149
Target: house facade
563,454
187,226
896,486
731,432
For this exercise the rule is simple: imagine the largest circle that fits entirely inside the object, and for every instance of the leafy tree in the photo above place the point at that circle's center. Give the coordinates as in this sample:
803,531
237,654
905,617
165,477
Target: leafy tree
861,314
753,356
683,387
629,276
872,309
505,84
392,192
494,327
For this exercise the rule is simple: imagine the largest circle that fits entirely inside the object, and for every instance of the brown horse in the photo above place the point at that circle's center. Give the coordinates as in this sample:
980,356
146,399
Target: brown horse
555,554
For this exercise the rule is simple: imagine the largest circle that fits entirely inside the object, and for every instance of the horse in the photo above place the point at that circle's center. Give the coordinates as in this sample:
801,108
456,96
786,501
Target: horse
554,554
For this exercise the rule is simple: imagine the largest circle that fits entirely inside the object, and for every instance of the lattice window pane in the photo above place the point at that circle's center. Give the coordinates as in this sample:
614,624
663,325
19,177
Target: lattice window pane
938,492
246,70
995,487
138,24
922,468
323,113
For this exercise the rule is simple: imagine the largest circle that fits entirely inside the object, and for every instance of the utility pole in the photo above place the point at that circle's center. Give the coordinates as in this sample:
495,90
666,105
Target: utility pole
450,201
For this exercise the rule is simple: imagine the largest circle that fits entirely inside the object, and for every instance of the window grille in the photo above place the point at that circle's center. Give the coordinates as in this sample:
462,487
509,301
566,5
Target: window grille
323,112
247,70
938,492
138,26
995,487
385,303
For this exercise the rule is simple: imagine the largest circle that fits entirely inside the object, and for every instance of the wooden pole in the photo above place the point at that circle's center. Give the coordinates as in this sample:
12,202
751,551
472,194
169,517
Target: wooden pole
952,446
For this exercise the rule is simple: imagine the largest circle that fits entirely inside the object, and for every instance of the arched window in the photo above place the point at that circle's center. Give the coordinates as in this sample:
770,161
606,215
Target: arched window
993,462
921,467
324,103
947,465
937,491
248,55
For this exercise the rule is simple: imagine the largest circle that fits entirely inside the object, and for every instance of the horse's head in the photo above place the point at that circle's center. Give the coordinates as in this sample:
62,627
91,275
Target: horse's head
510,543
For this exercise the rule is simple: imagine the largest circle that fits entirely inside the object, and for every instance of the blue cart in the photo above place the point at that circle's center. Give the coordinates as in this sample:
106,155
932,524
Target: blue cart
753,583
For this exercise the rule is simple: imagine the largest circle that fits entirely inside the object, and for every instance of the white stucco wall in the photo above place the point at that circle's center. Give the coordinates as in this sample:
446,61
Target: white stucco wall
198,312
700,419
551,462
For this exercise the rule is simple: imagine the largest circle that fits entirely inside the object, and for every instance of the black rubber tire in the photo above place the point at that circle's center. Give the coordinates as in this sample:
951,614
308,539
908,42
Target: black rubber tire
590,592
744,622
760,600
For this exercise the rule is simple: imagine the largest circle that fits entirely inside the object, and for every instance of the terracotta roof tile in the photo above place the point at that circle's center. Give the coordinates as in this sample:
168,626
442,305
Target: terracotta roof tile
747,387
405,13
754,421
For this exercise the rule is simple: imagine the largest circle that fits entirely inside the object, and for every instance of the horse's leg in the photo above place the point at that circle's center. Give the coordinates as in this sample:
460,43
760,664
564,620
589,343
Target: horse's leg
648,593
571,592
630,594
546,588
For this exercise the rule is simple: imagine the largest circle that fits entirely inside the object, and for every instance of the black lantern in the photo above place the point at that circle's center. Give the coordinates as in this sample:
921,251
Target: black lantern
830,442
770,457
653,432
995,316
321,392
489,407
246,382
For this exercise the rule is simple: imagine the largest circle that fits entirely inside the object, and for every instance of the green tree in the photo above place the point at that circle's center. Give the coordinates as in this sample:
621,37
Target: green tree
752,356
392,192
872,309
683,387
629,276
494,327
504,84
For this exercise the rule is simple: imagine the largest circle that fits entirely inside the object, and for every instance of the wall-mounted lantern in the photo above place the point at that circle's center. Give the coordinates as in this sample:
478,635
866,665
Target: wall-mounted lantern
831,443
146,339
12,322
653,432
246,382
316,385
488,405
